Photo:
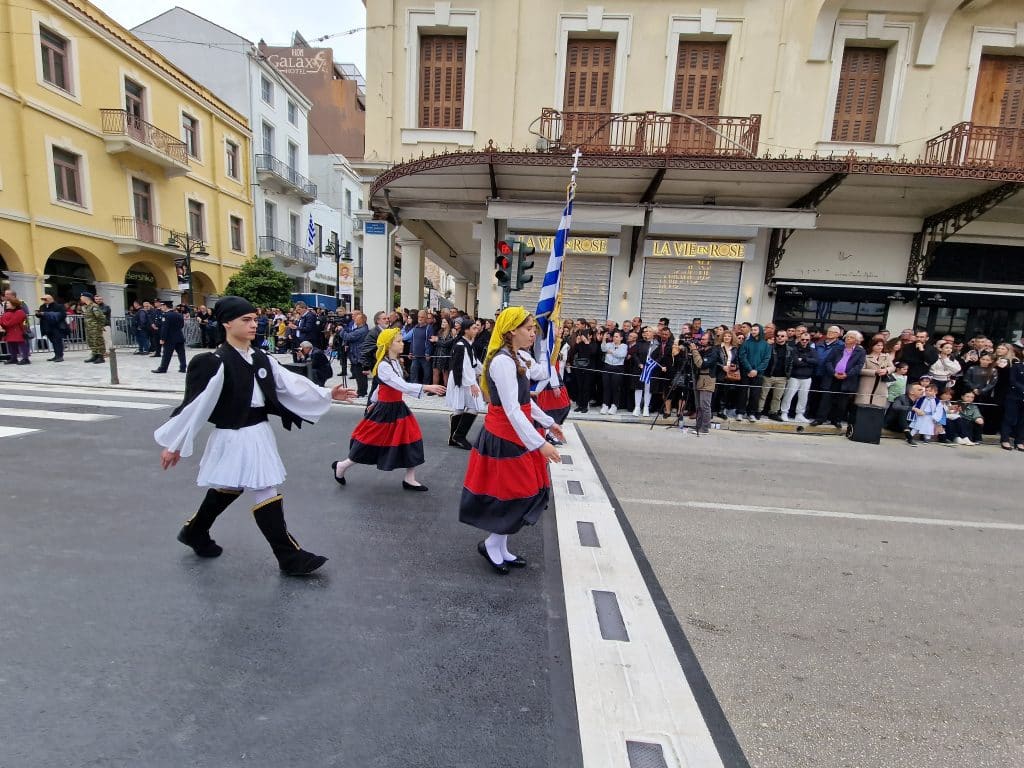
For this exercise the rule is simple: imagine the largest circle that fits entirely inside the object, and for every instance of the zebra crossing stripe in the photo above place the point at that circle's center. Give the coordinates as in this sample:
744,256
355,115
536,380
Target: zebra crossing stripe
131,404
15,431
46,389
27,413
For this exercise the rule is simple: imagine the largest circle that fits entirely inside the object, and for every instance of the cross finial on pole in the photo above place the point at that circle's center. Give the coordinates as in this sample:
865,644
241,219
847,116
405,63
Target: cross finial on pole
576,161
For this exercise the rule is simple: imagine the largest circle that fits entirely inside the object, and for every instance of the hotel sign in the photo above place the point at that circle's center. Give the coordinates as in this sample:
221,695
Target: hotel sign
691,249
300,61
594,246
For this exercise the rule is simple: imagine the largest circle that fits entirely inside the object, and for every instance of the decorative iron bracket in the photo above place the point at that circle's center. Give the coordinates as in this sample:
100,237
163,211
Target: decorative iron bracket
941,226
779,237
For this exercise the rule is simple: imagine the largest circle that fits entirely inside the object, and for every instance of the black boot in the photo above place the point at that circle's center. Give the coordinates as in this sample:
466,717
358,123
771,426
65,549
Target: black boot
453,426
462,429
91,358
293,560
196,532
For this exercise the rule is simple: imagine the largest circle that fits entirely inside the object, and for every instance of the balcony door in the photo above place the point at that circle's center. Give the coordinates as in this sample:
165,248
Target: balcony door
135,109
999,104
700,70
142,201
587,102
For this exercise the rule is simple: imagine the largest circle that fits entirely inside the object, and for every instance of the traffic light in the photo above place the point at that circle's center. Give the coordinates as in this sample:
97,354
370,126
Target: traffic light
503,262
523,265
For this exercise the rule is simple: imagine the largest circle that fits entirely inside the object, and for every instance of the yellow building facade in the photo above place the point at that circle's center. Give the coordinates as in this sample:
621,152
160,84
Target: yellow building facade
866,157
110,157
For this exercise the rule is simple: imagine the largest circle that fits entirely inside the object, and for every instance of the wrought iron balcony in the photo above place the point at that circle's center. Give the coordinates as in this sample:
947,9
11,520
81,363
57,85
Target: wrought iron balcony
132,235
285,178
977,146
124,133
650,133
278,247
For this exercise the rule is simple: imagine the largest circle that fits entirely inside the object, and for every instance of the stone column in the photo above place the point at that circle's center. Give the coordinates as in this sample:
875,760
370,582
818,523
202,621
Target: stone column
471,299
412,272
28,287
488,294
378,278
459,290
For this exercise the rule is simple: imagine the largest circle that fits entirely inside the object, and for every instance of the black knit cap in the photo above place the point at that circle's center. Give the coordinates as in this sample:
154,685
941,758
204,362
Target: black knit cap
230,308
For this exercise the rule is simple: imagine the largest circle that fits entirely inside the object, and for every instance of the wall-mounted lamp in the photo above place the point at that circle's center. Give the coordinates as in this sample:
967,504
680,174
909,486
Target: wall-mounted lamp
625,295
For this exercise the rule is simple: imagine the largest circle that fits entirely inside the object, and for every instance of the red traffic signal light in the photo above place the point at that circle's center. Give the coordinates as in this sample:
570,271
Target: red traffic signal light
503,262
504,247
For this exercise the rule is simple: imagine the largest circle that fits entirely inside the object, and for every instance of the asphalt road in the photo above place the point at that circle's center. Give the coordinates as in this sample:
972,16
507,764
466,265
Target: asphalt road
121,648
837,640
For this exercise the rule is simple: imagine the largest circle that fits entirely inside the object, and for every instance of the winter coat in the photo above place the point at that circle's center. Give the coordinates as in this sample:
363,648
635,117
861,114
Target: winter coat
853,367
13,323
754,353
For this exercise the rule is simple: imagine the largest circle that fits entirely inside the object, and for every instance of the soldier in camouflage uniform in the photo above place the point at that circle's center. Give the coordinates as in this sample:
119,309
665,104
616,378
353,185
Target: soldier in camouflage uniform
95,319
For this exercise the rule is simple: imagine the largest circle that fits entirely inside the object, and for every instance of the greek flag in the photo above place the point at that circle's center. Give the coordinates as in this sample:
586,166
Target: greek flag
549,292
645,374
310,233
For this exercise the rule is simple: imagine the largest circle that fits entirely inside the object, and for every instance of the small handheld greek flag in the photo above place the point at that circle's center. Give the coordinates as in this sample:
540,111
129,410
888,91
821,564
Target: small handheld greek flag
645,374
310,233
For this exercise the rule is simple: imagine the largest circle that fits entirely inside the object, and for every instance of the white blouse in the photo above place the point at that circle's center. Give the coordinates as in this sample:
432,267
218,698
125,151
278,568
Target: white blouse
506,380
296,393
390,372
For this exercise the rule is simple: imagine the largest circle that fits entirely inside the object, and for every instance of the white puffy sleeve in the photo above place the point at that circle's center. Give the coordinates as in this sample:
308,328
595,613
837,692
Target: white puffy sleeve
388,375
298,394
534,370
503,373
179,432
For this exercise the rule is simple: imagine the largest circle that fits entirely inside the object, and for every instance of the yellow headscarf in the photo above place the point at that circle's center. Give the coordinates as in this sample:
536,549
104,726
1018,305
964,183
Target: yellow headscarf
509,319
383,344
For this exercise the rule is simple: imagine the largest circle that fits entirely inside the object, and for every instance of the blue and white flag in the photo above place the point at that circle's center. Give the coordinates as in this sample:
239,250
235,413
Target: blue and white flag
648,371
310,233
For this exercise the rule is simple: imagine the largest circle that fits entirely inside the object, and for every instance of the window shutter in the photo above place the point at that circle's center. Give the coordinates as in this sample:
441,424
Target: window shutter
859,97
589,73
442,81
700,68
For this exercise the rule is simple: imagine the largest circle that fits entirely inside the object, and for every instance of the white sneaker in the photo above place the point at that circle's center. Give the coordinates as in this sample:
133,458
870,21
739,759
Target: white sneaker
753,418
604,409
968,441
613,410
802,419
647,411
784,417
636,411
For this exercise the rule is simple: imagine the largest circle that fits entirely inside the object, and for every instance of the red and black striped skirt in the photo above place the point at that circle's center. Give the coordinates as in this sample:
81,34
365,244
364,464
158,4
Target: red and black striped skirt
506,485
389,435
555,405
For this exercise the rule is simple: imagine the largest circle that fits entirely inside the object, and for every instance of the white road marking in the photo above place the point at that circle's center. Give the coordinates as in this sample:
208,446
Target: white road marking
828,513
77,401
633,690
43,389
26,413
15,431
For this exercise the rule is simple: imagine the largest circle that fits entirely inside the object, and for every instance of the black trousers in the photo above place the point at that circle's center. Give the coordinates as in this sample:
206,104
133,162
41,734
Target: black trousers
612,384
361,380
57,342
169,350
584,387
1013,422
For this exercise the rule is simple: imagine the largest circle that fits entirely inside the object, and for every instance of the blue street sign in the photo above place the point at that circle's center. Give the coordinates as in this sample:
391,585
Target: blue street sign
374,228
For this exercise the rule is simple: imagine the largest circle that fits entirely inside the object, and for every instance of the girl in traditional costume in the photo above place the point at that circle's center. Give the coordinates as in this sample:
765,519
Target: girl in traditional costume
464,397
237,388
507,484
389,435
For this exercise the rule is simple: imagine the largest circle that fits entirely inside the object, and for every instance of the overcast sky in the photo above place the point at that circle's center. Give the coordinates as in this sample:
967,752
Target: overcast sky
271,20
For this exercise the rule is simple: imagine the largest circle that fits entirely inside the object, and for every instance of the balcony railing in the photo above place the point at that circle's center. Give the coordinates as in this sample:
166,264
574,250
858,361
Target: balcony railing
651,133
289,250
304,187
130,228
985,146
119,122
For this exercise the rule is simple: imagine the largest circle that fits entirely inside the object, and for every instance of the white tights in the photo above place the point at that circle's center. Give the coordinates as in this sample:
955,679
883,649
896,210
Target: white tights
497,548
645,394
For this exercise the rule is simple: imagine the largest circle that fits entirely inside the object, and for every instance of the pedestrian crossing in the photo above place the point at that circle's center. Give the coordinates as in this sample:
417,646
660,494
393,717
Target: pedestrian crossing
50,407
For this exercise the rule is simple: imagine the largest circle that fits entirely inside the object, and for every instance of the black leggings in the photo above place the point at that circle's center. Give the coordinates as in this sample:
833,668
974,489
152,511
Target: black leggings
611,384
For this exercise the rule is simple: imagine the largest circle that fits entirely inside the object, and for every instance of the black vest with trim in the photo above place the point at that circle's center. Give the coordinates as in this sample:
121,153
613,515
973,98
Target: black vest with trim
235,402
521,380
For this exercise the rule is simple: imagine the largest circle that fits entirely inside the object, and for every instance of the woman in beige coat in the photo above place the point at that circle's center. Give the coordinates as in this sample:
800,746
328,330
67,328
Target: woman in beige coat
872,388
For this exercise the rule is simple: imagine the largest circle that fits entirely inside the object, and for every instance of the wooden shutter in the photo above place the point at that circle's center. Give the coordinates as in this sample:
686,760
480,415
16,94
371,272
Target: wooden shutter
700,69
442,81
859,98
589,73
999,105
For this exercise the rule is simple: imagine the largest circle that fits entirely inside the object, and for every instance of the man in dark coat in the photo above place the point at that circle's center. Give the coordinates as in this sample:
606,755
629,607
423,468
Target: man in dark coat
919,356
353,340
842,375
53,318
155,318
172,336
320,365
141,323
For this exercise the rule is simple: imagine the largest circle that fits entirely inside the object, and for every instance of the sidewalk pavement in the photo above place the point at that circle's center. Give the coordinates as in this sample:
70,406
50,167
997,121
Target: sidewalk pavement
134,372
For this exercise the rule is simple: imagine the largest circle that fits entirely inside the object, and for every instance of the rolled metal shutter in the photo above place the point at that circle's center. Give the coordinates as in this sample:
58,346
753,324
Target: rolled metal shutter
681,289
585,286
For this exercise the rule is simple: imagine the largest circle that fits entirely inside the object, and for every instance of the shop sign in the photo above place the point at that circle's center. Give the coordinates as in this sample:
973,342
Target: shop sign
299,61
132,276
690,249
597,246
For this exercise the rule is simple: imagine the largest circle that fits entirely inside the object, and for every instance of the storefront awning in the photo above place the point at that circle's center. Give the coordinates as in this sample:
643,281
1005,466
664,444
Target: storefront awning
844,291
665,219
546,216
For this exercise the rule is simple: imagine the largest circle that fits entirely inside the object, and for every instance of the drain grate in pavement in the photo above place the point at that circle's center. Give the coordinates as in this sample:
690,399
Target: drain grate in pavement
567,459
644,754
609,617
575,487
588,534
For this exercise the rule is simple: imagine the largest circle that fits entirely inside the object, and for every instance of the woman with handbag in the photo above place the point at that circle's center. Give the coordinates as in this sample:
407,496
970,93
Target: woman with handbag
874,376
727,376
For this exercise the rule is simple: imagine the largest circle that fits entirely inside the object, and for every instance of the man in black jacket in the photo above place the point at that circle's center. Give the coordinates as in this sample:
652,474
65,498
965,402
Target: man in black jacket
141,323
172,336
775,376
52,322
918,355
896,415
155,318
320,365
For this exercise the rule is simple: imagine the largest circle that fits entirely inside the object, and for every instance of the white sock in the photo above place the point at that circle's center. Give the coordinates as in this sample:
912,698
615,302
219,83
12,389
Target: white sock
339,470
260,495
637,395
495,543
508,556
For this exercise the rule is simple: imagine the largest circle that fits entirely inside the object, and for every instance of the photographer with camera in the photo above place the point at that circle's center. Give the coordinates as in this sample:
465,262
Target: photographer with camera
583,360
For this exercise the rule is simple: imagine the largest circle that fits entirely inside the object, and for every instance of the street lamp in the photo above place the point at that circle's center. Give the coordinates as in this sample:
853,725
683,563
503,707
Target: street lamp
340,254
192,246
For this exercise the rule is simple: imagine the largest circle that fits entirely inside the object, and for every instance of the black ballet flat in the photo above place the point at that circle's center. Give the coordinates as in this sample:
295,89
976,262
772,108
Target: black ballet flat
503,569
519,562
411,487
334,469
